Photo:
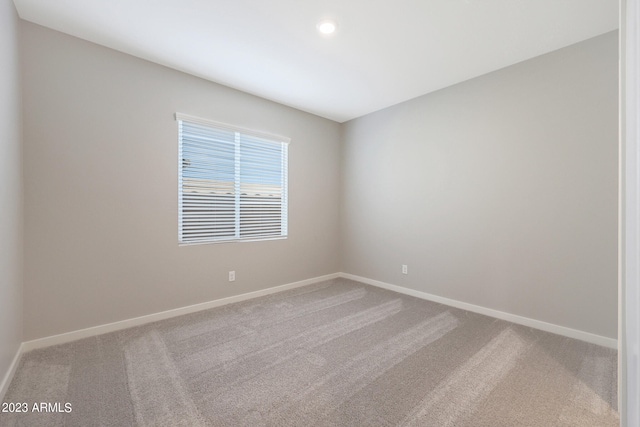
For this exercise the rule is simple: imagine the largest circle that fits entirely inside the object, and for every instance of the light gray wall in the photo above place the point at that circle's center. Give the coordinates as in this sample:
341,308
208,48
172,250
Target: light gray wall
100,147
10,189
500,191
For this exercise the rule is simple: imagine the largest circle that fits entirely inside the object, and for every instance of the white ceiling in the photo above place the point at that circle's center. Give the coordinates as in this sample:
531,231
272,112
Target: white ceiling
384,52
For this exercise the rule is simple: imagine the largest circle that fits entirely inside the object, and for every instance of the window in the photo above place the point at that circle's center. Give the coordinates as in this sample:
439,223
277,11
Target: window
232,183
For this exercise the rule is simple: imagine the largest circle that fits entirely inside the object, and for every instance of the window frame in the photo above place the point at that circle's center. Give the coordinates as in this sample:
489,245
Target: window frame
284,204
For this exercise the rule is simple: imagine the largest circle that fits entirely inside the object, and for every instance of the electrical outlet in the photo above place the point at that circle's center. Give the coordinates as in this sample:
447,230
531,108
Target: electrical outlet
232,276
405,269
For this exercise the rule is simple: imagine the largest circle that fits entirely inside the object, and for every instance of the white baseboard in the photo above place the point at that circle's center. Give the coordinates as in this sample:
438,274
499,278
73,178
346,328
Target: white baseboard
4,386
536,324
124,324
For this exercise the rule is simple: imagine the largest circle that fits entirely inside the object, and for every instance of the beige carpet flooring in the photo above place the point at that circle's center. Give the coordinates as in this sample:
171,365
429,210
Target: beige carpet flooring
337,353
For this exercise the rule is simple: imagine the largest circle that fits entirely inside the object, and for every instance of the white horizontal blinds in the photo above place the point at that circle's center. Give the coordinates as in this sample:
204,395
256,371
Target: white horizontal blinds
207,185
262,187
232,186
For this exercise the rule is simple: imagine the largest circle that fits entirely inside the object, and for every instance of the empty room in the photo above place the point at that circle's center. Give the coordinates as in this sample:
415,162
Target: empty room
276,213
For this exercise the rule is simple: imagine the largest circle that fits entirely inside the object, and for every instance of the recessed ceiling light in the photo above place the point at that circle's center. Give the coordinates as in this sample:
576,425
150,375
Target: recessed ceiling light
327,27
